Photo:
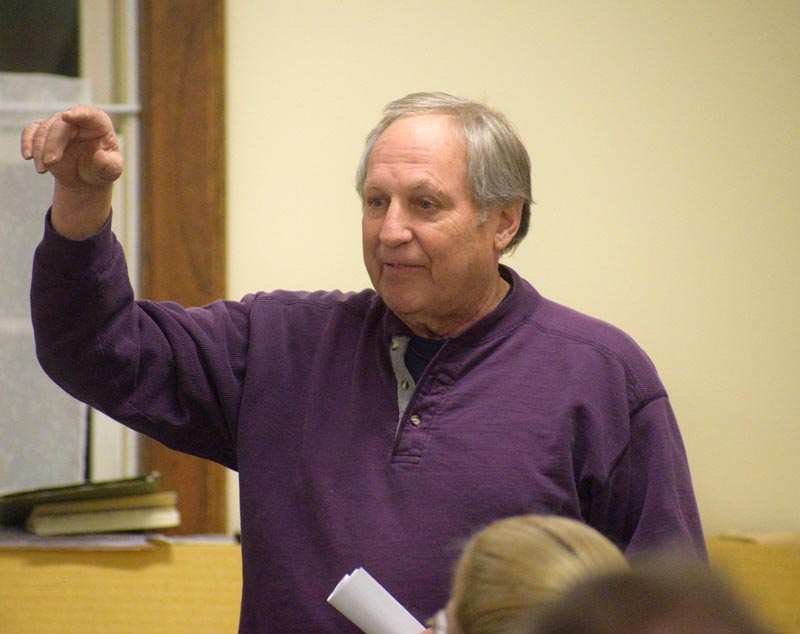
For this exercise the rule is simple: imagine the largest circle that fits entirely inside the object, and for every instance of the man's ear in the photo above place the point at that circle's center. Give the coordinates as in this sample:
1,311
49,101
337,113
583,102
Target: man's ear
508,222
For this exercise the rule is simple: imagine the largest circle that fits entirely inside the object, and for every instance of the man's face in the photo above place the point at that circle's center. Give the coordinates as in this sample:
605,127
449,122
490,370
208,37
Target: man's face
427,253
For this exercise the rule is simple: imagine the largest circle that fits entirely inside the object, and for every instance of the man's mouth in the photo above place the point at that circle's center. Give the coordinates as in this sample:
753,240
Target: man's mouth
401,266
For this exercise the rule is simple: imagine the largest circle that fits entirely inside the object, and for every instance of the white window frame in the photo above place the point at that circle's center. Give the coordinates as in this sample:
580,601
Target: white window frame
109,60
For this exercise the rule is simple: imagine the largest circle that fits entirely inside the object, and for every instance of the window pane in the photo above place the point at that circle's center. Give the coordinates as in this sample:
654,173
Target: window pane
39,36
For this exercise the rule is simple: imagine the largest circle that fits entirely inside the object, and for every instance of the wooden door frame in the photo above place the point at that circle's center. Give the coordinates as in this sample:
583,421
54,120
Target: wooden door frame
181,54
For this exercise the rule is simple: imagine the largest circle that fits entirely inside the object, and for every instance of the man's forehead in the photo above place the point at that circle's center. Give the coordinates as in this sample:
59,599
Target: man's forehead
419,138
443,120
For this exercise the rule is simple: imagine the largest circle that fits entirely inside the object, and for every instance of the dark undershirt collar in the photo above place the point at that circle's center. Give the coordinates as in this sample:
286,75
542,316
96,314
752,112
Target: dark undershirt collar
421,350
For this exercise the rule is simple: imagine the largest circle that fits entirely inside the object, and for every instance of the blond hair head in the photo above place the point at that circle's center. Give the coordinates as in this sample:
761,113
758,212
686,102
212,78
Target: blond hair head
520,564
659,596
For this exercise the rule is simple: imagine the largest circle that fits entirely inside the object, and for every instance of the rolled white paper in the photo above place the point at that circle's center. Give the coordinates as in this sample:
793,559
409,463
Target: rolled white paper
368,605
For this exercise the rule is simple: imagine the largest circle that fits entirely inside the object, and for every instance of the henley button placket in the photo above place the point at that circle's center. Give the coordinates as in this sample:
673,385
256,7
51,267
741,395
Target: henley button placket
405,382
410,444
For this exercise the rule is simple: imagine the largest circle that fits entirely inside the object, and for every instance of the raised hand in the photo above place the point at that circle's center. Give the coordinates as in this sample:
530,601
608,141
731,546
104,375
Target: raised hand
79,148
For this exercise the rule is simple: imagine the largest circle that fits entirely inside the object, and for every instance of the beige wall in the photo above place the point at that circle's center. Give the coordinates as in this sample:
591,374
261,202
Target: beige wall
665,145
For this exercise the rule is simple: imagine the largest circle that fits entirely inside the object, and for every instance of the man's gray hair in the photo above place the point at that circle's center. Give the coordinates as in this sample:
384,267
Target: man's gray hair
498,166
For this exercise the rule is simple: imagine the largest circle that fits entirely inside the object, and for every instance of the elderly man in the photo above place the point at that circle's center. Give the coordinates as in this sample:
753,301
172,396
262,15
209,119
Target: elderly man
379,428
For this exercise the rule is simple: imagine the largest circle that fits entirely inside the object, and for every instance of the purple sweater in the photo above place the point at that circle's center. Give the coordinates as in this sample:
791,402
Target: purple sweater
534,409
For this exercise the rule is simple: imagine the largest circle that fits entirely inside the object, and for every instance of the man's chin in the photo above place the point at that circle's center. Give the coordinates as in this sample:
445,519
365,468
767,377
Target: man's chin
404,305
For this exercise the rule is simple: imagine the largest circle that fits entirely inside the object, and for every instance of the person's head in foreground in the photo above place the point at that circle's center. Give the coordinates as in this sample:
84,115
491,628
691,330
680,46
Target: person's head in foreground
519,564
666,597
446,189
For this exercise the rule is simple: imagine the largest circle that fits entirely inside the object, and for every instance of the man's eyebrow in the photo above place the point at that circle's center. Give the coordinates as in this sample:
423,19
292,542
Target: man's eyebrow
427,185
420,185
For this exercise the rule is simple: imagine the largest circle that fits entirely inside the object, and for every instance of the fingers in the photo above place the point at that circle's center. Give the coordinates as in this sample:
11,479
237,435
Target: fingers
33,138
26,142
44,141
87,117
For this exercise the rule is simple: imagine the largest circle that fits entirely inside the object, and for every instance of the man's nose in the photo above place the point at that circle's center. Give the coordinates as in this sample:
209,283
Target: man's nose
396,228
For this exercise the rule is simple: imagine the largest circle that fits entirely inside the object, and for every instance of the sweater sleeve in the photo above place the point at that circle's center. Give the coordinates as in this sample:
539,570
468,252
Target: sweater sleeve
171,373
652,482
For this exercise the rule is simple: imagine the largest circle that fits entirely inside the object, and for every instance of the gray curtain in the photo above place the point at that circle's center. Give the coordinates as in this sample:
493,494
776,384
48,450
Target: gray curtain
42,429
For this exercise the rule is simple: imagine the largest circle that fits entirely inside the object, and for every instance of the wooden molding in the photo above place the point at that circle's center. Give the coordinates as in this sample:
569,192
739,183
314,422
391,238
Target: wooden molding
183,203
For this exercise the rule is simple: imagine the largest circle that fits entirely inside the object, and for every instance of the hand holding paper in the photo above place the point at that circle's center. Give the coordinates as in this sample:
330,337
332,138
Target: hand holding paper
368,605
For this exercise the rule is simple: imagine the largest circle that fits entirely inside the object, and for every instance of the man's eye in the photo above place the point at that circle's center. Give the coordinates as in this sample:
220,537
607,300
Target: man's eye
425,204
375,203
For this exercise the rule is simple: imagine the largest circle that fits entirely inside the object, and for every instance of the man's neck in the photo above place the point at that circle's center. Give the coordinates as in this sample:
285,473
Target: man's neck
449,328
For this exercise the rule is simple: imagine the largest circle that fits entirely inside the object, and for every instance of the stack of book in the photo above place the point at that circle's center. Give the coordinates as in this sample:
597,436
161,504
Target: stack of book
129,504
